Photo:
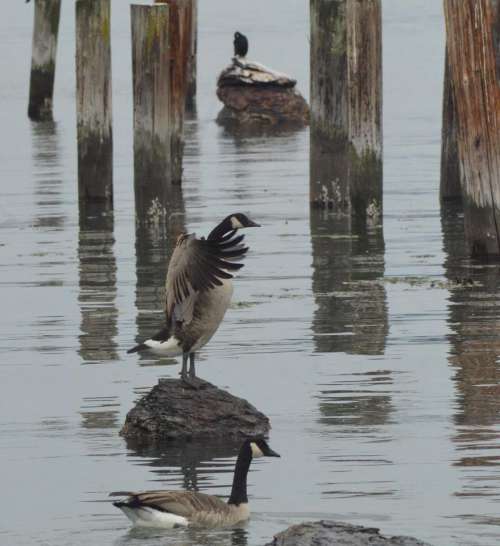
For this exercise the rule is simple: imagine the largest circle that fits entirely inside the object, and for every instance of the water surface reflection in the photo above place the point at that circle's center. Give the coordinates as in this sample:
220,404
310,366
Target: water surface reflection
347,282
97,282
474,311
154,244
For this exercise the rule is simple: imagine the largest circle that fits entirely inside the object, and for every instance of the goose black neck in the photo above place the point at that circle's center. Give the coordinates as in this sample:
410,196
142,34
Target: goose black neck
239,490
220,230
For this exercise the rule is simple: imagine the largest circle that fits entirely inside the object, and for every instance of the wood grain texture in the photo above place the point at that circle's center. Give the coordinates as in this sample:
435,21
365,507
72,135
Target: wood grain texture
93,100
152,125
364,105
43,59
473,30
450,185
180,47
346,106
193,54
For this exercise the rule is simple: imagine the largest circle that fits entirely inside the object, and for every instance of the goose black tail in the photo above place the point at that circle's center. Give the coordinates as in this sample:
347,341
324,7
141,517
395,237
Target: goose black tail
137,348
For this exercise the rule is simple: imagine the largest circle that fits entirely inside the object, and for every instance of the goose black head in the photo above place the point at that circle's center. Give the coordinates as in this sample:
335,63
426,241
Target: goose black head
232,222
260,448
239,220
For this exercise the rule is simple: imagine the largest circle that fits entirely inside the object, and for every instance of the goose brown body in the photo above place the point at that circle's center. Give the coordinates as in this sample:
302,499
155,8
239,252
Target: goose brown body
195,508
182,508
198,289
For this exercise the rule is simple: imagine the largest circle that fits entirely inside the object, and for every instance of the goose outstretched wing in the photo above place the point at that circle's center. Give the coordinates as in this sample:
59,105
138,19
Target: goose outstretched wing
198,265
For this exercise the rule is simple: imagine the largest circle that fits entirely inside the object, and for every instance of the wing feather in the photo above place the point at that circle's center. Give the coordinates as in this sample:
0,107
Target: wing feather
182,503
198,265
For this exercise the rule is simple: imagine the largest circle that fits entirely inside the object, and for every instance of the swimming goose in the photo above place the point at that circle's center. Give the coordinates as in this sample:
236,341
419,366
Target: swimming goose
198,291
182,508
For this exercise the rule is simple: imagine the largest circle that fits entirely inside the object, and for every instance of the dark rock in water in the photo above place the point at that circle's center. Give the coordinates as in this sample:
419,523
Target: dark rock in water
329,533
173,410
256,96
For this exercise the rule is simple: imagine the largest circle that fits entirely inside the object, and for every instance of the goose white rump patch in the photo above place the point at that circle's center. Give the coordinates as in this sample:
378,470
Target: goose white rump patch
145,516
170,347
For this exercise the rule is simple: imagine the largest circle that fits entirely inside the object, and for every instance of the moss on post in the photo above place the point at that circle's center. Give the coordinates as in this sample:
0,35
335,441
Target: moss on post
346,106
94,105
152,119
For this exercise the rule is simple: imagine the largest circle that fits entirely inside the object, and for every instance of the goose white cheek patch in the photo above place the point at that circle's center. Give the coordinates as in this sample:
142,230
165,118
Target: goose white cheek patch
256,451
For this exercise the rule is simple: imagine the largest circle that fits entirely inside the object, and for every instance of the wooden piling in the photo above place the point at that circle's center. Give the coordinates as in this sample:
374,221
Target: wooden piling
193,53
473,28
152,126
346,106
93,98
184,46
180,54
43,59
450,187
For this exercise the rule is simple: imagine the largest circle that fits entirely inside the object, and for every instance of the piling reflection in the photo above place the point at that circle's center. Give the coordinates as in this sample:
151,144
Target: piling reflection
347,282
191,466
154,244
97,286
351,317
99,412
48,172
357,400
474,311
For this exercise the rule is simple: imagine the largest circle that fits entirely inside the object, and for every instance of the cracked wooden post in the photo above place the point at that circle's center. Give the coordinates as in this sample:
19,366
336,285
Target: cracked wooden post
473,30
152,122
43,59
193,53
180,50
450,187
346,106
94,106
180,28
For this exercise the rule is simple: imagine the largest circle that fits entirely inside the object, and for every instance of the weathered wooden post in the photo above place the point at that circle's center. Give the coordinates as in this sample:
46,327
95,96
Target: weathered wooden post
180,51
93,99
450,187
180,36
152,126
43,58
346,106
473,30
193,53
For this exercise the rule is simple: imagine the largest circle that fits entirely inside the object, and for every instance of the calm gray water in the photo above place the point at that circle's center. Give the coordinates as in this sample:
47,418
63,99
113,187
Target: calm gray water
377,368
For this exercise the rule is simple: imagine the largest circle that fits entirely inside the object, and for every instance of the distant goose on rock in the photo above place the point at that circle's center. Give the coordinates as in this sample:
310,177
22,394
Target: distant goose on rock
182,508
198,291
240,45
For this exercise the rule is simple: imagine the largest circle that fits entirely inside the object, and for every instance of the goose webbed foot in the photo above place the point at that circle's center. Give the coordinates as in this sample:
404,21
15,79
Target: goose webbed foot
192,382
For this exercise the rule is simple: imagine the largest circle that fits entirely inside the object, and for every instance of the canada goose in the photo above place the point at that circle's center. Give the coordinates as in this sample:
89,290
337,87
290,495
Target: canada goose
182,508
240,45
198,291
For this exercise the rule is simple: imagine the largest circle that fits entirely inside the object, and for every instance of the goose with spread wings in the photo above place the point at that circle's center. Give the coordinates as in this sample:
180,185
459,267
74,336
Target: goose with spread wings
198,290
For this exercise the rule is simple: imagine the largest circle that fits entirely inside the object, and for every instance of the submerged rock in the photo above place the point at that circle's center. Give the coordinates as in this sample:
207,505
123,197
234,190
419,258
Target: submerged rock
330,533
255,96
174,410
